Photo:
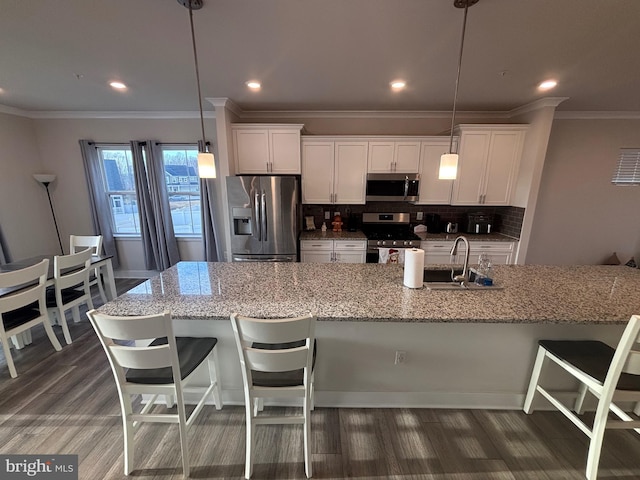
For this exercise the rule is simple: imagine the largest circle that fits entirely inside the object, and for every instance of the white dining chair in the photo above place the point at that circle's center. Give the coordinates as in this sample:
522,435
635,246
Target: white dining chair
70,289
607,373
277,357
162,367
25,308
82,242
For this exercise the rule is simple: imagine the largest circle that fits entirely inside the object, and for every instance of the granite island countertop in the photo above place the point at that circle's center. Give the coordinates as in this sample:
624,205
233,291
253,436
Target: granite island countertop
375,293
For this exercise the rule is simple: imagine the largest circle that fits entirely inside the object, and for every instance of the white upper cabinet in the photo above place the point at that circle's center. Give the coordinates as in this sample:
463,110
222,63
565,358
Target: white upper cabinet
433,191
488,164
265,148
402,156
334,171
350,179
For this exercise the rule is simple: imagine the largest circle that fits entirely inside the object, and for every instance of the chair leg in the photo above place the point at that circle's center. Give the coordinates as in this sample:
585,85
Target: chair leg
75,312
214,376
128,430
7,354
62,319
50,333
103,295
578,407
307,436
535,378
597,436
184,445
250,442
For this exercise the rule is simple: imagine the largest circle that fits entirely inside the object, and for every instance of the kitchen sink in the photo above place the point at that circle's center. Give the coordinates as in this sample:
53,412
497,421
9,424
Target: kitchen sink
441,279
440,275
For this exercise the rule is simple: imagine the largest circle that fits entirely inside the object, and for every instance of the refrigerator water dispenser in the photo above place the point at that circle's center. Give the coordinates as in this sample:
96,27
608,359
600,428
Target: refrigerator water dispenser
242,221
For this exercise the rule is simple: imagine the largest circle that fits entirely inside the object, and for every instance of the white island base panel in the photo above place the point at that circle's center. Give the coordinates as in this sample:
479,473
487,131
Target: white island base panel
447,365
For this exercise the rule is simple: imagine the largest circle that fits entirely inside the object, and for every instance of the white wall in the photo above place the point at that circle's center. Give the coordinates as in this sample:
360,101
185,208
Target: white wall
581,217
25,216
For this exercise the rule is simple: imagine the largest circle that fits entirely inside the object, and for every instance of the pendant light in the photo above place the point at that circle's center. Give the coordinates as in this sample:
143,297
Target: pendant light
449,161
206,161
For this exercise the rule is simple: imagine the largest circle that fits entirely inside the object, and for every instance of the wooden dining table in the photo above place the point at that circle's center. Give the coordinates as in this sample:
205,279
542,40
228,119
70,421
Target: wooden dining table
101,262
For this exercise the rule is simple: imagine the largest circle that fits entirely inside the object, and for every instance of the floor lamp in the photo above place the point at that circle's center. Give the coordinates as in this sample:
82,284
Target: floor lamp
45,179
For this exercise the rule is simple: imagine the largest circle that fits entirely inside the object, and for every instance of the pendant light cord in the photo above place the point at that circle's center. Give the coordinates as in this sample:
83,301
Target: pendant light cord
195,57
455,95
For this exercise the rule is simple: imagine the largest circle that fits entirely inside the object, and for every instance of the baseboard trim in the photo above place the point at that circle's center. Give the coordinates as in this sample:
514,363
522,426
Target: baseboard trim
486,401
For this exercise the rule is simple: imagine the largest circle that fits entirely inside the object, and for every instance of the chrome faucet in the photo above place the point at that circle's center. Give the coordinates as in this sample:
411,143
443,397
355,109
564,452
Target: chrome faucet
464,277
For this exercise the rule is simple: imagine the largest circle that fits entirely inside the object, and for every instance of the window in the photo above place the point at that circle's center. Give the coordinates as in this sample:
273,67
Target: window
628,169
119,184
181,166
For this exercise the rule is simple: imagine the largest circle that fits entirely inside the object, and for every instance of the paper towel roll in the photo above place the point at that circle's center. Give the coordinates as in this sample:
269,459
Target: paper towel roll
413,267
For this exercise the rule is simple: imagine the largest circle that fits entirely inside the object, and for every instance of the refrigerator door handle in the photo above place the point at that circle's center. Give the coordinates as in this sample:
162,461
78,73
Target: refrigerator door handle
263,213
256,207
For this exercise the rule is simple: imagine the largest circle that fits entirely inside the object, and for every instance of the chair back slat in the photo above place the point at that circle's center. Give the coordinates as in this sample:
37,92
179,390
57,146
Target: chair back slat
81,242
277,360
72,270
130,328
632,365
282,330
34,277
158,356
25,275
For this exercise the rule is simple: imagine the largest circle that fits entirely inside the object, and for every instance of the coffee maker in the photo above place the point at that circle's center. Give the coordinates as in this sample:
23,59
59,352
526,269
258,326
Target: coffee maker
479,222
432,221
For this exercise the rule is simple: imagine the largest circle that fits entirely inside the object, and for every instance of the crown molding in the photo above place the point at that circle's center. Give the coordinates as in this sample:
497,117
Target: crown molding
262,114
587,115
13,111
223,102
226,103
537,105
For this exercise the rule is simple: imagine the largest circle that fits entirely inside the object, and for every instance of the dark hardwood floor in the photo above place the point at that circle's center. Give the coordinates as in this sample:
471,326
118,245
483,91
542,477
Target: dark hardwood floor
66,403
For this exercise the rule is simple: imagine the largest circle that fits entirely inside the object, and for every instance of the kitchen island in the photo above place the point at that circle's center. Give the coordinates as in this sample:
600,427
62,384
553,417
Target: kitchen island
463,348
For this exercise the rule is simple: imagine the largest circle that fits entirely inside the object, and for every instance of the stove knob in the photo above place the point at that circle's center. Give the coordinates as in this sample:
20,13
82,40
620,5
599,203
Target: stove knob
405,243
380,242
395,243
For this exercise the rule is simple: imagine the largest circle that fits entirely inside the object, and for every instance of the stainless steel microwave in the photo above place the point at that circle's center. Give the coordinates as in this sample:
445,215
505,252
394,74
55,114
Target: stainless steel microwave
393,187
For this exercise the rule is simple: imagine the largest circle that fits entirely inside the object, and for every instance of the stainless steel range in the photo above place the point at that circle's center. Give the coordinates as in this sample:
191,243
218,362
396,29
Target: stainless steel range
387,230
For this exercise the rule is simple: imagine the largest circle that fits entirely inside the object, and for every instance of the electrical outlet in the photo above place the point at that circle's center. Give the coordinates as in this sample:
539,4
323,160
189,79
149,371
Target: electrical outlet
401,357
336,213
327,215
419,216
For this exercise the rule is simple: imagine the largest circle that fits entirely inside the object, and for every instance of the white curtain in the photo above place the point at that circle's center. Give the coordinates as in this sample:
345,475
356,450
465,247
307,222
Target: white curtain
98,201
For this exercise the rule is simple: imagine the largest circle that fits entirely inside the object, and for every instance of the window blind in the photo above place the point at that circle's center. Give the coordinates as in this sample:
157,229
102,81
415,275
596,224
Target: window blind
628,170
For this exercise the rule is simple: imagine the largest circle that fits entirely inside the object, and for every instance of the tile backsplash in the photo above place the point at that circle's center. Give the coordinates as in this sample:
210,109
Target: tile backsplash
507,220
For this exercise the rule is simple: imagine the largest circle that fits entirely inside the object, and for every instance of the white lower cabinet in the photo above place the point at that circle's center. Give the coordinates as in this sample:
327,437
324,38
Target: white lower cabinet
438,252
328,251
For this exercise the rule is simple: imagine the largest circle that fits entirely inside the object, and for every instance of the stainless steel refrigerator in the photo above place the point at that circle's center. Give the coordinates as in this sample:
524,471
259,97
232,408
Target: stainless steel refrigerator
264,213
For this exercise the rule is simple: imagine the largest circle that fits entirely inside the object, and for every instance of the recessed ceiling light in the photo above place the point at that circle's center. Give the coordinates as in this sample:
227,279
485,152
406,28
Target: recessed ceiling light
254,85
118,85
547,85
1,90
398,84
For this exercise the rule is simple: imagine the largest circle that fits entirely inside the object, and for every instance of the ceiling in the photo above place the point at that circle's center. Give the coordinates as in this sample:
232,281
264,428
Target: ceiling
318,54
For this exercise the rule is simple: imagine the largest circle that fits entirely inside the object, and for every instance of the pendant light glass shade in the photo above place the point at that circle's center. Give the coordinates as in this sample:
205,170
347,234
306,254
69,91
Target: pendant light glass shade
206,165
448,166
